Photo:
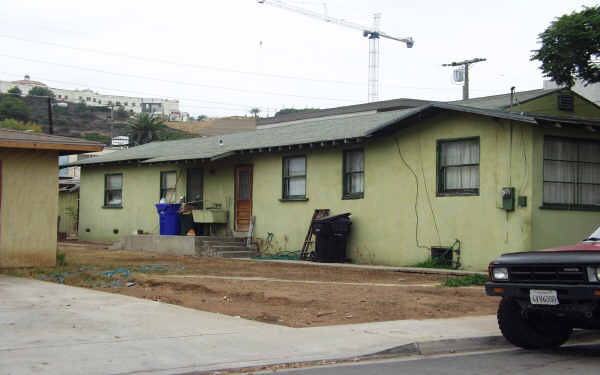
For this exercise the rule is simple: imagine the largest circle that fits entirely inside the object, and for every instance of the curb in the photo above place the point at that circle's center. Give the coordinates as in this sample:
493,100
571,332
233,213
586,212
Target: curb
423,348
468,344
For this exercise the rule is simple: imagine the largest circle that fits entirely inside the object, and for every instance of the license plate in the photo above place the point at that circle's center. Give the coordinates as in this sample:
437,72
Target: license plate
543,297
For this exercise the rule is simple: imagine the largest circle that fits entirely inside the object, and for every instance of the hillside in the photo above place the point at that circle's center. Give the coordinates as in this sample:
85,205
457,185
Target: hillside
216,126
81,121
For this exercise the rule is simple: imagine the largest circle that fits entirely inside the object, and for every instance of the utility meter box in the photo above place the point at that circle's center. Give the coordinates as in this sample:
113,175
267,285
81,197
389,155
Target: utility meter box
508,198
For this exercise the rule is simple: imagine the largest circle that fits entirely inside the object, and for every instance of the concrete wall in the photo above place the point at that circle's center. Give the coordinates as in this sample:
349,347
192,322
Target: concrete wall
67,210
552,227
28,211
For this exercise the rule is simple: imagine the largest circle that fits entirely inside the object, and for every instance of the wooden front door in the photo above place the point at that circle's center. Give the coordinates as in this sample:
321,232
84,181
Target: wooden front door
243,198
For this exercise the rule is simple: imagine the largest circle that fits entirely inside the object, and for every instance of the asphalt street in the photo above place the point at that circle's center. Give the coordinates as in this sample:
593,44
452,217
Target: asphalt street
579,359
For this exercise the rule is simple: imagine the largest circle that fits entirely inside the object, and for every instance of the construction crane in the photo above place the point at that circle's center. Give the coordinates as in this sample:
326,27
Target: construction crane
372,33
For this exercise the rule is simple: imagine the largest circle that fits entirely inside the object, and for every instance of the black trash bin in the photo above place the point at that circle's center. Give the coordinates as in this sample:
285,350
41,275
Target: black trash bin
332,238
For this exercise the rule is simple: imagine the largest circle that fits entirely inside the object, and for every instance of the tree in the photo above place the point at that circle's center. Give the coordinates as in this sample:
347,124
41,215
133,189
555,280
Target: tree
287,111
97,137
145,129
19,125
570,48
14,108
15,91
255,112
120,113
201,117
40,91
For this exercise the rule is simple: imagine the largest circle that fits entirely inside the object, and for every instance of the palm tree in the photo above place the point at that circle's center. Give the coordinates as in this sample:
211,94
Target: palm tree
255,112
145,128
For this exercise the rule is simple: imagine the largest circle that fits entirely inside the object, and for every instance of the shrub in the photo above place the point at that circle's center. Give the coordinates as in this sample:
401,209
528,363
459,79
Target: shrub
466,280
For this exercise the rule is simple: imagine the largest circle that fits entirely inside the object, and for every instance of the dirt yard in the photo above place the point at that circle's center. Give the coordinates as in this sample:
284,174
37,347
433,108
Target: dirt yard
295,295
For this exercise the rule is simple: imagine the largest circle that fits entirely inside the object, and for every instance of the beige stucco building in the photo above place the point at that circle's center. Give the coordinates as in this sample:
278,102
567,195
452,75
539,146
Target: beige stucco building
29,195
415,176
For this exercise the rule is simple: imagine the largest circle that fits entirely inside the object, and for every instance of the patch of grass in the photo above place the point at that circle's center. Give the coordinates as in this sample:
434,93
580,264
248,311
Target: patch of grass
466,280
61,258
432,263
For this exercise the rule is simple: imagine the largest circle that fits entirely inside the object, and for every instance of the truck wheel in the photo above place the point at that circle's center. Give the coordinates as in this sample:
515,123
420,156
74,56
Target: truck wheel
529,333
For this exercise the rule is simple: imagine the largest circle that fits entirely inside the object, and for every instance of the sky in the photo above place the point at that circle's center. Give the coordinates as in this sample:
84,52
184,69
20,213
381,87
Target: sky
225,57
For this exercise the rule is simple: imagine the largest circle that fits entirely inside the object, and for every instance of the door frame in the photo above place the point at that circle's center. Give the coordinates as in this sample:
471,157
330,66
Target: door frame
235,191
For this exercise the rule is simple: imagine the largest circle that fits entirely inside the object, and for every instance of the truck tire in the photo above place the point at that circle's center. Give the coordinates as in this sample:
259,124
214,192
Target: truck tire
529,334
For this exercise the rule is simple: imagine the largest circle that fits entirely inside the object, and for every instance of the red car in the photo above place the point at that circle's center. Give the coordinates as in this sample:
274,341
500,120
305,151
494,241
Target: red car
547,293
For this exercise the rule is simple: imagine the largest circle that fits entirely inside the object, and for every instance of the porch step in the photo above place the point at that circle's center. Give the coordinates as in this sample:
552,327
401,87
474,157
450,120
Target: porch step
221,239
237,254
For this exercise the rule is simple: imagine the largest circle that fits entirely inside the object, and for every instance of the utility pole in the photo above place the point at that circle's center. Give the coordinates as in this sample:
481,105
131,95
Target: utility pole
466,64
50,119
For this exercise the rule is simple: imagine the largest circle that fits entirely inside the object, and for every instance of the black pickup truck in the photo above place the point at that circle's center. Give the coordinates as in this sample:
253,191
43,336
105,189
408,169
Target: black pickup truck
547,293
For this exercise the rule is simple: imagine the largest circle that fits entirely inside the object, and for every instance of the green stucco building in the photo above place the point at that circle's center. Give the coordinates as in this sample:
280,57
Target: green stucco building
498,174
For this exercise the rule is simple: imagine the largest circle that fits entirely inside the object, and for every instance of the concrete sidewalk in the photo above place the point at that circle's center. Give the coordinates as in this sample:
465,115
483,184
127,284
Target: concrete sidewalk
57,329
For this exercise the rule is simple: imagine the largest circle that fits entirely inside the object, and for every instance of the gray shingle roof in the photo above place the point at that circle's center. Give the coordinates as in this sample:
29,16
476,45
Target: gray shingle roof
503,101
394,104
312,130
308,131
25,136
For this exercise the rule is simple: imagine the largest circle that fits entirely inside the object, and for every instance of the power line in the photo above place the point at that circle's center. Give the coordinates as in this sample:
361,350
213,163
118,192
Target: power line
178,64
214,68
174,82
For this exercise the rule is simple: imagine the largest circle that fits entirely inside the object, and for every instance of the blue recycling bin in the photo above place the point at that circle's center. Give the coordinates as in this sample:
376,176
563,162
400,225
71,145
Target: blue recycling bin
168,217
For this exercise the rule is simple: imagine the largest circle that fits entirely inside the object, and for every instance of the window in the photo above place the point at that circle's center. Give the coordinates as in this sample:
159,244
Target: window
125,104
113,190
571,173
88,99
94,100
294,177
66,96
99,101
458,167
354,174
168,182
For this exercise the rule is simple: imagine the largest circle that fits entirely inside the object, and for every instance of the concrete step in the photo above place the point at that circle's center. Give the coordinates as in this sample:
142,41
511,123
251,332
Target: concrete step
222,243
215,238
217,248
236,254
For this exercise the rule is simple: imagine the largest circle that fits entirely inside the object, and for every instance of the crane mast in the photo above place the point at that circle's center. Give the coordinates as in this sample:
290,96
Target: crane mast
373,33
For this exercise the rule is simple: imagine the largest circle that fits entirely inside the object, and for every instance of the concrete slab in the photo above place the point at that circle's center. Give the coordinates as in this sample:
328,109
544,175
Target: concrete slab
58,329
